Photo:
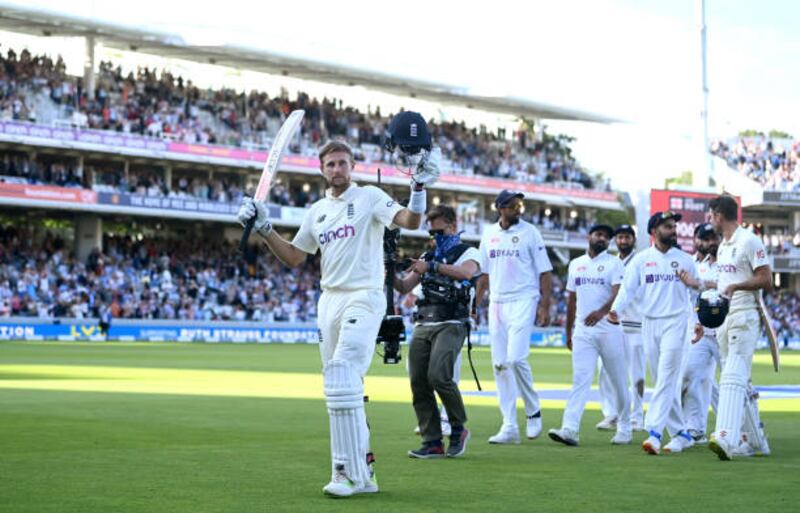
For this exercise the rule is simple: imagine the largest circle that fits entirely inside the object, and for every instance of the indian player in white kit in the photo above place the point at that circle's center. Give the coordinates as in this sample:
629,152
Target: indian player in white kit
625,239
743,272
593,282
699,376
517,272
653,276
347,227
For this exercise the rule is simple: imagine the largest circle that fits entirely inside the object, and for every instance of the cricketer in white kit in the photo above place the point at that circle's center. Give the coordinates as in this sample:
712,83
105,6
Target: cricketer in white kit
743,272
347,227
593,281
664,304
625,239
517,271
700,389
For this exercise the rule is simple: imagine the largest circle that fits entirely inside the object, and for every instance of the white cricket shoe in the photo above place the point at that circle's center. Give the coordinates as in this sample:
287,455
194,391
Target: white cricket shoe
533,427
447,429
342,486
678,443
721,447
607,424
753,448
652,445
622,438
505,436
564,435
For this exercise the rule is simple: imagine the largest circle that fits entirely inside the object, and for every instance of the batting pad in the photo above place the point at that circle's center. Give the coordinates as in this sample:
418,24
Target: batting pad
344,391
732,391
752,420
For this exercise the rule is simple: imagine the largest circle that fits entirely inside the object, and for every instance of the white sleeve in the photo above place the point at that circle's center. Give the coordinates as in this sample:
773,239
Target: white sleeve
756,254
483,262
470,254
617,272
384,208
630,285
304,239
539,253
570,286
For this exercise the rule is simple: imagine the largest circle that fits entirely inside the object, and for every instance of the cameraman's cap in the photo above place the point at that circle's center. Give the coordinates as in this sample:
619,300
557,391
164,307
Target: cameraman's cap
602,227
659,217
705,230
408,129
505,197
625,228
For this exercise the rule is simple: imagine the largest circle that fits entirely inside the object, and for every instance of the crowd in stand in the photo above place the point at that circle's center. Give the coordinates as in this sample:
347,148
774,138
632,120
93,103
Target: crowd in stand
160,104
774,165
151,279
187,279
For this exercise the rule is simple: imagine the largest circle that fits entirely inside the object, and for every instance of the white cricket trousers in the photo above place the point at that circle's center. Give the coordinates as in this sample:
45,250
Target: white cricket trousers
348,323
665,348
737,339
635,362
698,382
510,328
608,342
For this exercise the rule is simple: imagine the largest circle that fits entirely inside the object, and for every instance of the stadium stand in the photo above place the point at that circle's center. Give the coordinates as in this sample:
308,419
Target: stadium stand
37,89
773,164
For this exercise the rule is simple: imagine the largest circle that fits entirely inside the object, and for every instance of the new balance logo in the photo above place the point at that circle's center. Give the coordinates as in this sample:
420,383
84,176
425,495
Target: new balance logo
339,233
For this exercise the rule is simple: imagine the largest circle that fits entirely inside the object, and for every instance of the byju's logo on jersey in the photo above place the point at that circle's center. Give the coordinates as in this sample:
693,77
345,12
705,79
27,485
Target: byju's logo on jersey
342,232
497,253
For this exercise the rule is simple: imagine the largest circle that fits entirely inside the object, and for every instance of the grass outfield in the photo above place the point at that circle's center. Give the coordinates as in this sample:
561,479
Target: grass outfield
143,427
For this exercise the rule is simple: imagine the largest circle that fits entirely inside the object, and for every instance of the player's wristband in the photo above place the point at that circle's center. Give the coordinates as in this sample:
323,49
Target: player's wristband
418,201
435,267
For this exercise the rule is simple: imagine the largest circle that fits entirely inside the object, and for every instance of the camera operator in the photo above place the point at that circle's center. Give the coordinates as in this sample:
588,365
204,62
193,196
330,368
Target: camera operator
446,274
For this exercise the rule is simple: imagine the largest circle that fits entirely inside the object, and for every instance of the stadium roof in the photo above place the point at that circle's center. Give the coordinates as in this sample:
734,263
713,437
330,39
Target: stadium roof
47,23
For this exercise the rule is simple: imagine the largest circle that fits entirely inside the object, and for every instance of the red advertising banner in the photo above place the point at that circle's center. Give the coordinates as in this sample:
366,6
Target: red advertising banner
693,207
47,193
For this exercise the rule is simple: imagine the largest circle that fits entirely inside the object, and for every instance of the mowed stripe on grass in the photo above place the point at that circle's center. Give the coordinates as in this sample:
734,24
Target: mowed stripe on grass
279,385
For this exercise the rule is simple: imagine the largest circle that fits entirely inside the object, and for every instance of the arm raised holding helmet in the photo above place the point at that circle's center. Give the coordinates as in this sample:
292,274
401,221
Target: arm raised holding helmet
408,133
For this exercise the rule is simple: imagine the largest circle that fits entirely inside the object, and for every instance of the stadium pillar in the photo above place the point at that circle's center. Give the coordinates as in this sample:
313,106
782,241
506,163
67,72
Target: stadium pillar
88,67
168,177
88,236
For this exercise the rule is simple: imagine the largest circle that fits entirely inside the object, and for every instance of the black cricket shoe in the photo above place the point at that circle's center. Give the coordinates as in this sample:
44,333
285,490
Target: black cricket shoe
428,450
458,443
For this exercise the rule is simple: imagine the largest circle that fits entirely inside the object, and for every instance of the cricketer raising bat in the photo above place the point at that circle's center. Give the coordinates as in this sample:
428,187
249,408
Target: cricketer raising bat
279,145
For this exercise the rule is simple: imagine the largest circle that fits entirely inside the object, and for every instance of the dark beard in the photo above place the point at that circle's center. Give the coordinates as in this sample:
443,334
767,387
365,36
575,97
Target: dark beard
598,247
670,242
624,251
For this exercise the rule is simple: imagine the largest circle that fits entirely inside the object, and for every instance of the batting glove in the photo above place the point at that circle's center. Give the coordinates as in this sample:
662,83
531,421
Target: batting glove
252,208
427,171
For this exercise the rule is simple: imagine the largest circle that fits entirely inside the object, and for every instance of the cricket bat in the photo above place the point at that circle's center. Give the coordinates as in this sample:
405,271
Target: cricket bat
279,145
772,339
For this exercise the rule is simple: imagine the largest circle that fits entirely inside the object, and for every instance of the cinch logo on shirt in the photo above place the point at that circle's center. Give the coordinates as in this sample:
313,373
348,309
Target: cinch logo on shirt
589,281
339,233
727,268
496,253
655,278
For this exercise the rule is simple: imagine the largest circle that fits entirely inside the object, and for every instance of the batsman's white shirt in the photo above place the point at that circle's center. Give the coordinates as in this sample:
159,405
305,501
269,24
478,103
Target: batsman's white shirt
348,231
591,280
737,258
662,292
513,259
